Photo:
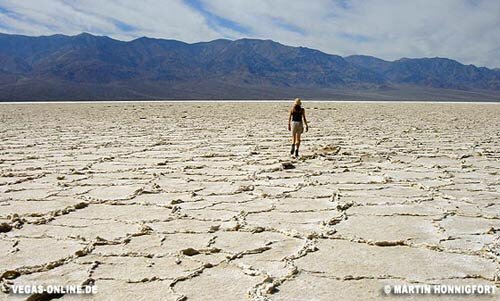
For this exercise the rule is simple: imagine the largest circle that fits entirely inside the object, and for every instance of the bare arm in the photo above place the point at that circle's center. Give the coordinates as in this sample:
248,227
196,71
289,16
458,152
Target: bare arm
289,120
305,120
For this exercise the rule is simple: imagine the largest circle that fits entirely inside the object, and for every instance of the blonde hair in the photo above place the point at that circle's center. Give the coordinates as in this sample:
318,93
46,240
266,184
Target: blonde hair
297,105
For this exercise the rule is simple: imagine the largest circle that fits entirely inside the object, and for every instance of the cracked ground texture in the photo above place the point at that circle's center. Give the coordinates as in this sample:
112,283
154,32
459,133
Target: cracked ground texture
200,201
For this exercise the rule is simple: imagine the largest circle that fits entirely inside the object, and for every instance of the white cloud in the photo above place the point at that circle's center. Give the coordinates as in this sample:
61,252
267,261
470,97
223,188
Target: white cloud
465,30
154,18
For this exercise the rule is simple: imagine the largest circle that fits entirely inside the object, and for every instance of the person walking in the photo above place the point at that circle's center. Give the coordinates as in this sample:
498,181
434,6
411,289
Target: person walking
297,114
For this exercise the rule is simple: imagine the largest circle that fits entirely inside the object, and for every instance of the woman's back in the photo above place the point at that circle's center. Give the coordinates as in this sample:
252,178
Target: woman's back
297,113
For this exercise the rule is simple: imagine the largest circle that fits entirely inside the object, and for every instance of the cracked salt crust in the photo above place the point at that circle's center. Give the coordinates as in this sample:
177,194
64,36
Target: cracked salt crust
201,208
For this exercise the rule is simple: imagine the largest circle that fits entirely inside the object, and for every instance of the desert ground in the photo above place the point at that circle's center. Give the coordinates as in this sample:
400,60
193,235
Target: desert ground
202,201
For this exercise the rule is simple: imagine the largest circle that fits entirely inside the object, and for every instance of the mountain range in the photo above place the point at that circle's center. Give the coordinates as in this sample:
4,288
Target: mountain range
88,67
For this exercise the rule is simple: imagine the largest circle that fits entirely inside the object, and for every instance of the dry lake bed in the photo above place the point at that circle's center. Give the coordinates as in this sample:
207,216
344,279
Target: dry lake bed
202,201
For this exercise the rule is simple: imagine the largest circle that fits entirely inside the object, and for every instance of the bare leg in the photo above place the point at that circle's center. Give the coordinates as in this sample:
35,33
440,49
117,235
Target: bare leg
297,143
293,144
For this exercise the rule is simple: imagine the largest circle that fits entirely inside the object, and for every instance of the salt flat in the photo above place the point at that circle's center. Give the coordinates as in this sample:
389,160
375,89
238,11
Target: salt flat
168,201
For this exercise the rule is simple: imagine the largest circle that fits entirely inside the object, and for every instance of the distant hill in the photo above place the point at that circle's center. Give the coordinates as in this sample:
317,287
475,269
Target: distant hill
431,72
87,67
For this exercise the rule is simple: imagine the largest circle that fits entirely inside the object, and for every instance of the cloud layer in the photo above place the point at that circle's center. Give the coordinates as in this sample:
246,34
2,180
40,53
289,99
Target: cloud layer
465,30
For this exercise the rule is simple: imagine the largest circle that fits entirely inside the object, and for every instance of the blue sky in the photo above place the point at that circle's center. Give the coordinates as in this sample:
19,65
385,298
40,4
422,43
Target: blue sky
465,30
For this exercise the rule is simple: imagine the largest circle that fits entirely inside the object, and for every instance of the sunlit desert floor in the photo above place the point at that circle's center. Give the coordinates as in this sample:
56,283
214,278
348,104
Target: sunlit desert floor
200,201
